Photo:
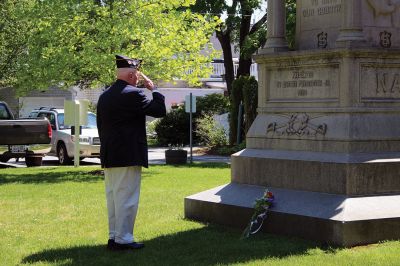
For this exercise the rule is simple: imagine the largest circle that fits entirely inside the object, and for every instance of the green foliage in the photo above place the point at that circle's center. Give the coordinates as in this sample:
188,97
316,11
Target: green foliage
151,126
74,42
215,103
250,101
174,127
14,34
229,149
245,90
253,42
70,203
291,22
92,107
211,134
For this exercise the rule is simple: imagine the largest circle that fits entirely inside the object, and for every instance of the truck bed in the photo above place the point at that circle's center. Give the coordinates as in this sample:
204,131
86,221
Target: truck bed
24,132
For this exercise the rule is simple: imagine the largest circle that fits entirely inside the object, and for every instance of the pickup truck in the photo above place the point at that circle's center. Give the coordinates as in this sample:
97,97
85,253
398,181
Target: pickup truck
26,138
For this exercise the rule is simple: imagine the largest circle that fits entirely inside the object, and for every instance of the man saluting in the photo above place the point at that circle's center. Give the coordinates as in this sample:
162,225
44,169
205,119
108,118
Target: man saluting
121,122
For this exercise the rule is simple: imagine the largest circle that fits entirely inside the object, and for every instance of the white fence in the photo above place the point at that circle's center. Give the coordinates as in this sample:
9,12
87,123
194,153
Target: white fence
219,69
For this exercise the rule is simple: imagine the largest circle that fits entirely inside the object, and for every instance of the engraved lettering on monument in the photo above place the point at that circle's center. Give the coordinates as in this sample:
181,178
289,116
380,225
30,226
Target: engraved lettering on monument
380,83
318,83
318,19
297,124
387,83
321,8
386,39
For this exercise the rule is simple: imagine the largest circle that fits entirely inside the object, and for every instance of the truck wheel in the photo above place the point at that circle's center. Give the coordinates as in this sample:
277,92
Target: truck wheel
33,161
4,159
62,155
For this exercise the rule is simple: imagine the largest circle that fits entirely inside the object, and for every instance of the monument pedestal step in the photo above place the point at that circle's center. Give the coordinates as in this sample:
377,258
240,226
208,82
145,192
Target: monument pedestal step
352,174
329,218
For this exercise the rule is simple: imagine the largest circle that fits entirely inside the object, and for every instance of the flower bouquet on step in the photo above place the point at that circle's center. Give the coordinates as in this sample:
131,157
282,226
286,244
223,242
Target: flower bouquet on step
261,207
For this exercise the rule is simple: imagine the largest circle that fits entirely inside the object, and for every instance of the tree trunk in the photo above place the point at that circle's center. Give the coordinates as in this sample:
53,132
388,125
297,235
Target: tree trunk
225,41
244,59
244,67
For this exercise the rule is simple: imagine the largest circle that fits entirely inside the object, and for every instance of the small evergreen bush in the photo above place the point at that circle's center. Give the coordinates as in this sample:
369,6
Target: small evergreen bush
210,132
173,128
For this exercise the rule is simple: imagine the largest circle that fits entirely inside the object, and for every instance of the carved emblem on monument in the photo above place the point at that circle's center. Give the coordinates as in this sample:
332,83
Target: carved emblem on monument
322,40
298,124
386,39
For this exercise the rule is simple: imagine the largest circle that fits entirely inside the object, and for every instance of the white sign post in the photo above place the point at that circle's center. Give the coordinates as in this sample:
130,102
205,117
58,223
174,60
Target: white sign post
190,107
75,114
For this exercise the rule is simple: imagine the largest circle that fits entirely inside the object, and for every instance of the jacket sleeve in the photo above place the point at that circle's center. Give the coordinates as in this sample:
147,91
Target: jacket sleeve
155,107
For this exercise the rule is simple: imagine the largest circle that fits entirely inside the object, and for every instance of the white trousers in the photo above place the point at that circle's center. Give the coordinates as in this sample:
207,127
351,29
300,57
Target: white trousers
122,192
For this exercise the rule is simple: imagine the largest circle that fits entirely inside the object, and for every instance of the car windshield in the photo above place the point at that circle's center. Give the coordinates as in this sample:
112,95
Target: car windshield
90,124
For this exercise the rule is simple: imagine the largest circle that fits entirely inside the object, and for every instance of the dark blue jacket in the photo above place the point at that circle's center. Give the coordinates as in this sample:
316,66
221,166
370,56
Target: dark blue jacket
121,122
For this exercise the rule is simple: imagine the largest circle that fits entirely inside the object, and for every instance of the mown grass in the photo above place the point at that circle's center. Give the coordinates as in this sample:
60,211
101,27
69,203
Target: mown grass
57,216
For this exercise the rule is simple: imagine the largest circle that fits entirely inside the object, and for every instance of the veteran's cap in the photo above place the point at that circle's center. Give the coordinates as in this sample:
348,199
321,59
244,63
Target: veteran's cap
126,62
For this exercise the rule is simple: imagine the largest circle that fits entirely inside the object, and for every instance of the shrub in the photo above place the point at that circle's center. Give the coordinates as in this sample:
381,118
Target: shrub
228,150
236,98
210,132
174,127
151,132
250,101
213,103
244,89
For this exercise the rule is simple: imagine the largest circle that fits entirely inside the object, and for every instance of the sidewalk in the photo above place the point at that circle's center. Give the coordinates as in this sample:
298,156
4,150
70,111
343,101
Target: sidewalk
157,156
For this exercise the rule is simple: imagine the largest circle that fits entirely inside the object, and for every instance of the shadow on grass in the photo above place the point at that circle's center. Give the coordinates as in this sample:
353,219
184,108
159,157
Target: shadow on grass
207,246
198,165
52,175
49,177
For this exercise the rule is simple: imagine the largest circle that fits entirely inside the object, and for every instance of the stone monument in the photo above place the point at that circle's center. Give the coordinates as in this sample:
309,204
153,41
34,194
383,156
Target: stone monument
326,139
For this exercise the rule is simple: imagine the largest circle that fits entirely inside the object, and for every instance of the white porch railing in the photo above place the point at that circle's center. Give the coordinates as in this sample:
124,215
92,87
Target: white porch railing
219,70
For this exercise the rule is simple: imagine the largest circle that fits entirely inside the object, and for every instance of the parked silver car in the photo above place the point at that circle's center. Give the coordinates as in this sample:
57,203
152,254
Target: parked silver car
63,141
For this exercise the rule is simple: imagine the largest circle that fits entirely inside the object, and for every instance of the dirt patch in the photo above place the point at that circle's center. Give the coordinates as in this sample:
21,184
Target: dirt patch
201,150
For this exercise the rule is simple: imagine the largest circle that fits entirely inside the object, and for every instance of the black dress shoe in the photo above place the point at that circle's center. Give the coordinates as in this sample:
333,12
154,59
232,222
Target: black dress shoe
133,245
110,244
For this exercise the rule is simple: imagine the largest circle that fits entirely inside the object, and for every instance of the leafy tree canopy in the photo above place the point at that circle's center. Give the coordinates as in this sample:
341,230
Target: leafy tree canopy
73,42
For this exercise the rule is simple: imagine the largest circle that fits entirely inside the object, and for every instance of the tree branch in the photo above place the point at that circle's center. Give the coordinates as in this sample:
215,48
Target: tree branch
258,24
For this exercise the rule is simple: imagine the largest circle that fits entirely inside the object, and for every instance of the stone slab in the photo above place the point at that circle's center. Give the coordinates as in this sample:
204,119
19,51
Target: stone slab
328,218
337,173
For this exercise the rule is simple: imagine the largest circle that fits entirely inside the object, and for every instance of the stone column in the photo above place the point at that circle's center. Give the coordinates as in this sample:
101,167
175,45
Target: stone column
276,35
351,33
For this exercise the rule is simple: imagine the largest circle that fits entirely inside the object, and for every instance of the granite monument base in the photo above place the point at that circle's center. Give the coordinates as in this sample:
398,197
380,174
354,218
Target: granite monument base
333,219
351,174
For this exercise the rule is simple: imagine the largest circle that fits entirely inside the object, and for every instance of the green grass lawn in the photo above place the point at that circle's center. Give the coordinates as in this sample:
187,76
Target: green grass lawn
57,216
